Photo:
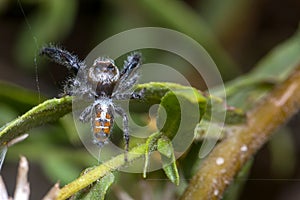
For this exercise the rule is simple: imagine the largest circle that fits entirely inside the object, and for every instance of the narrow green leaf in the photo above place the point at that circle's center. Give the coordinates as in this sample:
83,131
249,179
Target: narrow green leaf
218,106
150,146
165,148
182,109
281,61
53,109
201,130
154,91
172,172
46,112
273,68
97,191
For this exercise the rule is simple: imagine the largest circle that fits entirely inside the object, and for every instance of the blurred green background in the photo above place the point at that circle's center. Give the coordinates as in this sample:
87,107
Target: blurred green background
236,33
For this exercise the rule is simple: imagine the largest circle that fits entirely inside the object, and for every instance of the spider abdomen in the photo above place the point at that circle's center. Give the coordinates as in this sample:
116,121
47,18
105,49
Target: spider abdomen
102,123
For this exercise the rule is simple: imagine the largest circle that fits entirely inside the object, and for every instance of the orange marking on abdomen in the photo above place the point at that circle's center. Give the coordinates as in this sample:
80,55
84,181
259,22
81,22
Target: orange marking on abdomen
97,130
106,124
97,123
107,116
98,114
106,130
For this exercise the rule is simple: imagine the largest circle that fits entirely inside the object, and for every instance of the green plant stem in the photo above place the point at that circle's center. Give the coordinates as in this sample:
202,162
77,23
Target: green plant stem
212,179
100,171
53,109
48,111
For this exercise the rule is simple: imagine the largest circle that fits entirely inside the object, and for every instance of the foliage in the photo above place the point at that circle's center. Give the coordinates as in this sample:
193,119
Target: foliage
55,145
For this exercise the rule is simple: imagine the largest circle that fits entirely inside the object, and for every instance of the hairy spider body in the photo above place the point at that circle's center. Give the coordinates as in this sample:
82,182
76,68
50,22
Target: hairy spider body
102,123
101,83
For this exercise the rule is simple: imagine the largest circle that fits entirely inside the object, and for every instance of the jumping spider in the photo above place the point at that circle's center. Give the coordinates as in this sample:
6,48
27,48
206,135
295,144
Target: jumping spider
103,83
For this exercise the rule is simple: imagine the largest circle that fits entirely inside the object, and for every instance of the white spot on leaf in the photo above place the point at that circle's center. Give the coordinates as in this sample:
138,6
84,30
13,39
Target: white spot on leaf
216,192
244,148
219,161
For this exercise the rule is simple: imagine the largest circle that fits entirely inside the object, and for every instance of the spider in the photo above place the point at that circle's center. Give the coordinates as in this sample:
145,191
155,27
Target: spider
102,83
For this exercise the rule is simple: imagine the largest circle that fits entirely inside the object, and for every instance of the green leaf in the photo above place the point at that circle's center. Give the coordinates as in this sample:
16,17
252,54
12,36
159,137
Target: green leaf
245,90
172,172
97,191
279,62
201,131
51,110
46,112
217,109
150,146
154,91
165,148
182,109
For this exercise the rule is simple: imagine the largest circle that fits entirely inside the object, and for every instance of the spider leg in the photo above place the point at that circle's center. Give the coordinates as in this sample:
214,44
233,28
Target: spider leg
62,57
86,114
138,95
122,113
129,75
133,95
133,61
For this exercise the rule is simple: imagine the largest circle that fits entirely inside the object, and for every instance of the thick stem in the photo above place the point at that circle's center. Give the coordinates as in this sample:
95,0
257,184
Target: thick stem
213,177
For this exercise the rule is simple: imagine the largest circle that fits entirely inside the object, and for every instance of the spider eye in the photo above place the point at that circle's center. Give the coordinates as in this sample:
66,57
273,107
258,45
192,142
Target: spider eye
110,67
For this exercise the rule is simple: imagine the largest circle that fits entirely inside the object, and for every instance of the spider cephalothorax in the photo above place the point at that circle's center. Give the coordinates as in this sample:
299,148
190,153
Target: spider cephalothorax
103,83
104,76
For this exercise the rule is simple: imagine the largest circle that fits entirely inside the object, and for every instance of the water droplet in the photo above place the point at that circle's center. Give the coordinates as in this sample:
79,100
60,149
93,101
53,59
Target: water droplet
216,192
244,148
219,161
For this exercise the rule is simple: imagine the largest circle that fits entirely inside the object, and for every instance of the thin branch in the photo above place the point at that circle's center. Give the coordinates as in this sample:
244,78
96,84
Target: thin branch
213,177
